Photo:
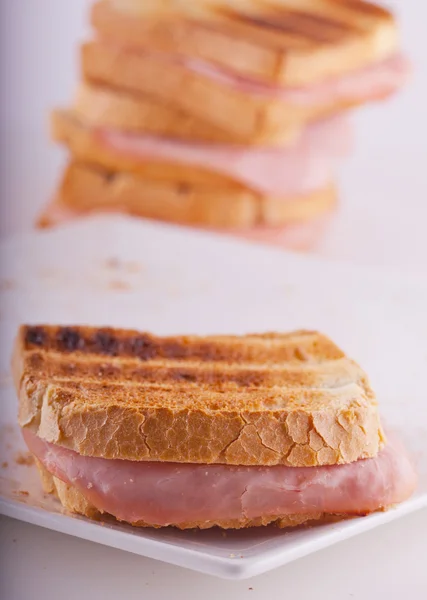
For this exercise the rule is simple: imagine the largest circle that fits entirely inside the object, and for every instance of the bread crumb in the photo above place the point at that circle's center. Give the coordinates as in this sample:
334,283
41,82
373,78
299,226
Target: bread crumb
119,286
21,493
133,266
24,458
89,485
112,263
231,556
115,264
250,588
4,465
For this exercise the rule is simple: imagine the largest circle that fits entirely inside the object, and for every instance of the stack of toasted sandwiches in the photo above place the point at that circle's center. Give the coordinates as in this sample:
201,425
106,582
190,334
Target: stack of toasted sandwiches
222,115
201,431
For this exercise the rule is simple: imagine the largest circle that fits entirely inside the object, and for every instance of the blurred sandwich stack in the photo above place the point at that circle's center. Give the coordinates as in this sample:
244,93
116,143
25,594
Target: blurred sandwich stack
228,116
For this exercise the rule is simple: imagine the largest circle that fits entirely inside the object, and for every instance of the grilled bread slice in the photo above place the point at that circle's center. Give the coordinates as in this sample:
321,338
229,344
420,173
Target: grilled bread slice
111,107
291,42
115,107
86,147
246,117
247,112
89,187
293,399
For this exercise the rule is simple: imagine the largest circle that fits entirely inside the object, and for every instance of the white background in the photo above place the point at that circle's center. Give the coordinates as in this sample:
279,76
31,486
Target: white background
383,221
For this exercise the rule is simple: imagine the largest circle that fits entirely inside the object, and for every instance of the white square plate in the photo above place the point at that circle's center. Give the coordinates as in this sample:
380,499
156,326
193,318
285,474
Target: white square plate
117,271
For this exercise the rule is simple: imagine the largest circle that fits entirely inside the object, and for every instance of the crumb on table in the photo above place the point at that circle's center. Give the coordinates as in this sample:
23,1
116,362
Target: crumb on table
116,264
120,286
24,458
21,493
112,263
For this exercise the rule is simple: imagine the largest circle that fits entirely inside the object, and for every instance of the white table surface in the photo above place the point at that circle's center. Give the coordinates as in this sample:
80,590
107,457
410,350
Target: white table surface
382,222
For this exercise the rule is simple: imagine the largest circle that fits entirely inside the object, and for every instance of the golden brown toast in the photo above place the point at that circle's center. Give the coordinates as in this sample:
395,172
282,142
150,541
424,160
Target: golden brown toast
292,399
292,42
86,147
115,107
246,117
88,187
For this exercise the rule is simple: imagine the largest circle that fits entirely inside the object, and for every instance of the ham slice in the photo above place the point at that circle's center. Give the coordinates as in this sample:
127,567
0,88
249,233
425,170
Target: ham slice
372,82
375,81
301,168
172,493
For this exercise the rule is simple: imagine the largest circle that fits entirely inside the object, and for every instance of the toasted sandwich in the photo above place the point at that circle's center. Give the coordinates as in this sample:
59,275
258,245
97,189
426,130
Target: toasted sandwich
193,431
222,117
305,165
308,60
295,222
290,42
250,191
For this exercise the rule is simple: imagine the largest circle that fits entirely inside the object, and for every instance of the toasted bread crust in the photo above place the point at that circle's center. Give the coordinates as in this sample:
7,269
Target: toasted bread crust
74,501
347,36
289,399
85,188
86,147
108,106
300,236
246,117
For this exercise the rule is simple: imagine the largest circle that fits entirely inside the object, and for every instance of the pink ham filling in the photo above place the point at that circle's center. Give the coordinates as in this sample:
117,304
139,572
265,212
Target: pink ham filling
165,493
301,168
374,81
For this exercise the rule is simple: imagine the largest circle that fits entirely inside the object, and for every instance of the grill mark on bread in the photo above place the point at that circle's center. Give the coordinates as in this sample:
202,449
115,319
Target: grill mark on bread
35,336
68,339
328,374
300,346
272,54
186,398
261,403
364,8
308,26
268,369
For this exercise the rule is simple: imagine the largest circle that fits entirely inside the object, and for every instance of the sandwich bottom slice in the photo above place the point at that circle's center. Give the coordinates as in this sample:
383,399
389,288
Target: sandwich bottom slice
296,221
194,431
